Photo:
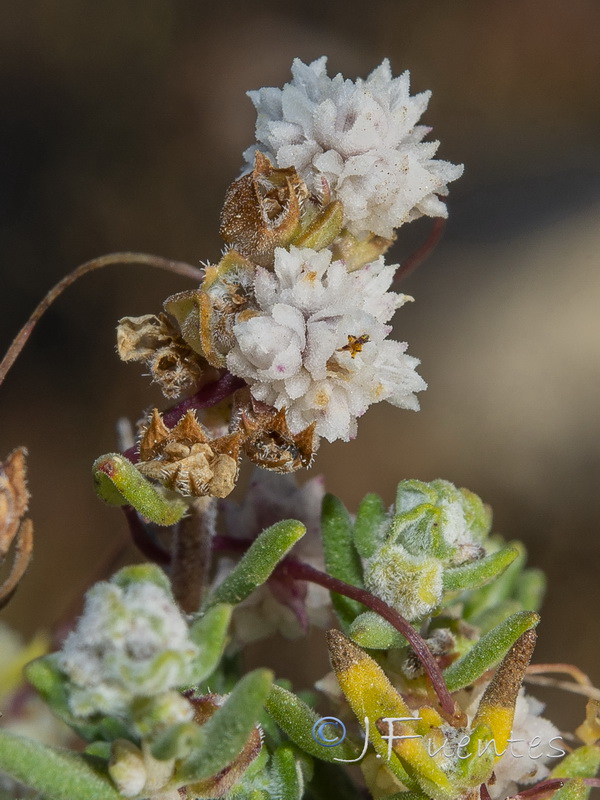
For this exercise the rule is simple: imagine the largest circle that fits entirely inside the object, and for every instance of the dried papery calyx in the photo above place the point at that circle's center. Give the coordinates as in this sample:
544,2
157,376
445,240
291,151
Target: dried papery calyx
262,210
156,341
271,208
206,316
220,784
267,439
185,458
14,500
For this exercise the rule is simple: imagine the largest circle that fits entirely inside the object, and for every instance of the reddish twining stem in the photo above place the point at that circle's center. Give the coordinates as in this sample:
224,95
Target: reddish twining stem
540,789
484,792
178,267
423,252
304,572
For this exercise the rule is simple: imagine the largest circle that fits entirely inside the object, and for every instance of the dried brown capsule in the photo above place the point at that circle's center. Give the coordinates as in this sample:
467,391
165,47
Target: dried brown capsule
267,439
14,499
262,210
185,458
156,341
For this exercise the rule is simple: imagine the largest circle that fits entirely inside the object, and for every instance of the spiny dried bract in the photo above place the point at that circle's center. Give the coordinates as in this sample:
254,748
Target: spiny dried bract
14,500
262,210
185,458
131,641
271,208
157,342
267,439
206,316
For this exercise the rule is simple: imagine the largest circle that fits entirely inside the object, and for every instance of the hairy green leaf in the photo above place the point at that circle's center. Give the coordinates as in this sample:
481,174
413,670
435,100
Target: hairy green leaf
375,633
369,525
209,632
56,774
488,650
227,731
258,562
477,573
119,483
297,720
341,558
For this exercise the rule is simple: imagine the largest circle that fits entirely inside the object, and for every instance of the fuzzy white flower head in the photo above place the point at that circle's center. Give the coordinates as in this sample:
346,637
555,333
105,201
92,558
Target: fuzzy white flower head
318,348
362,138
131,641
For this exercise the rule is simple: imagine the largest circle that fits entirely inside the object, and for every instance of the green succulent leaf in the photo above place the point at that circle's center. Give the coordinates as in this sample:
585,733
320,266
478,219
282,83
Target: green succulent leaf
227,731
297,720
209,632
258,562
45,676
177,741
56,774
530,589
324,229
488,650
581,763
119,483
288,776
369,525
477,573
341,558
375,633
574,789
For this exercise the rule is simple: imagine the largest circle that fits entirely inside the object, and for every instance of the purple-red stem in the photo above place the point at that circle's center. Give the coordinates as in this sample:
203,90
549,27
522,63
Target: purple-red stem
304,572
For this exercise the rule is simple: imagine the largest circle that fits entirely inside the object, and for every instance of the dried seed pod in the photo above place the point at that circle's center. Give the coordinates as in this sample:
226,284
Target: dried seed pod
267,439
185,458
156,341
262,210
206,316
14,499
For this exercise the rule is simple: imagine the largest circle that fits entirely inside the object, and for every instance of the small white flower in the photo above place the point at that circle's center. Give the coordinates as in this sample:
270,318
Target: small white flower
318,348
362,138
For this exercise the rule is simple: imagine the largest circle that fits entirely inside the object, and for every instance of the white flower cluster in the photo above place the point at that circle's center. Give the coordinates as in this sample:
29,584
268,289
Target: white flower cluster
361,138
318,344
130,641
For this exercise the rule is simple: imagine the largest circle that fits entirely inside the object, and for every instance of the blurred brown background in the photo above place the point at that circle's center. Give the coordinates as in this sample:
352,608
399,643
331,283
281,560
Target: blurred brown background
121,125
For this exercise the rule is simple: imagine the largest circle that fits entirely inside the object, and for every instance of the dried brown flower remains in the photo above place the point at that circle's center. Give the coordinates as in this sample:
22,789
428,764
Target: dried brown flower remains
156,341
185,458
14,499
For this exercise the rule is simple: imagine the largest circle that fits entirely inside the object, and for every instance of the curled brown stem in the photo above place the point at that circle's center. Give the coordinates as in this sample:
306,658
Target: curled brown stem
424,251
177,267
